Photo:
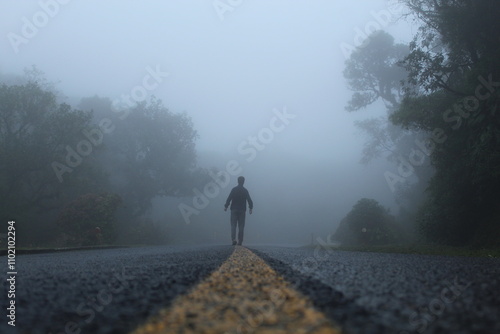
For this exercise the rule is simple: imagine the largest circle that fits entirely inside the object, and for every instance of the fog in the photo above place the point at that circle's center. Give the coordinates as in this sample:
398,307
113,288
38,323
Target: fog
261,80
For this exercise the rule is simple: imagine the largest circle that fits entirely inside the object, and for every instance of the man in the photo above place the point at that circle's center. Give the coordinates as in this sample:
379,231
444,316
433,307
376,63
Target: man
238,198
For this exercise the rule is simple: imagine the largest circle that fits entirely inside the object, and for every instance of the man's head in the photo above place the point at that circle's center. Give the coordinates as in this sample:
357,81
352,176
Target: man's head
241,180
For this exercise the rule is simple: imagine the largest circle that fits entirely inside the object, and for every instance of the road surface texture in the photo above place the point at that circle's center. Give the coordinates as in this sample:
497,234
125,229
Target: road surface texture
253,289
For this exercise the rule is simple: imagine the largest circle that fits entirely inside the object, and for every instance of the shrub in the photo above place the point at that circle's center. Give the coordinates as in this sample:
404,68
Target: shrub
368,223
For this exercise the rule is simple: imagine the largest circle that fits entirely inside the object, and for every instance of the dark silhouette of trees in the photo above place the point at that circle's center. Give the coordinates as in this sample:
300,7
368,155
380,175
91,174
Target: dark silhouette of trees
51,155
34,132
450,99
454,60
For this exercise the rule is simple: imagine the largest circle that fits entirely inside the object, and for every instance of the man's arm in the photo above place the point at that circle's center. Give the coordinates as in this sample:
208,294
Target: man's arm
250,202
229,199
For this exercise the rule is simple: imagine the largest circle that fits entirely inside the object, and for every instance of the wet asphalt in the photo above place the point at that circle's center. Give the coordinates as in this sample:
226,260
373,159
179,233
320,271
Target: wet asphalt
395,293
115,290
104,291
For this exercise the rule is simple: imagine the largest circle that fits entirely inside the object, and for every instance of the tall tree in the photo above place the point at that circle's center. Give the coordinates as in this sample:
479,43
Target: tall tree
374,74
455,61
35,131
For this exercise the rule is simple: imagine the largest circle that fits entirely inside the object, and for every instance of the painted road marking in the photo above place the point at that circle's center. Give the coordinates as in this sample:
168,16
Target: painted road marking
244,295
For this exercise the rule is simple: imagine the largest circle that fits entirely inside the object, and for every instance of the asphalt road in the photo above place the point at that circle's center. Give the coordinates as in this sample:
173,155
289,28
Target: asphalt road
396,293
116,290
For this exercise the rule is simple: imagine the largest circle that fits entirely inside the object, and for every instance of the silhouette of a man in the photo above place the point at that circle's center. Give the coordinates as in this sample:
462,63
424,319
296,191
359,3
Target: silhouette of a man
238,198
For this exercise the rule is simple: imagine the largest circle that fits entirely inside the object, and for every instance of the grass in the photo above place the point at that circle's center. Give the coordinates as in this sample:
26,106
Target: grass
425,250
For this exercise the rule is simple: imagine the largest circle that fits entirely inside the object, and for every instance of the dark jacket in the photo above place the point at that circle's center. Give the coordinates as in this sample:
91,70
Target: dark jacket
238,198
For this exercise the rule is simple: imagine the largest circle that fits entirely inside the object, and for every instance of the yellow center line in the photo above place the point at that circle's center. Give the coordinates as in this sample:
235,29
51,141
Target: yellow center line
244,295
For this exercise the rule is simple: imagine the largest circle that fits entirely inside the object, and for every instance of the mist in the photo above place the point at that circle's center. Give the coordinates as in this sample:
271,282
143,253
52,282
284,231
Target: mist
261,82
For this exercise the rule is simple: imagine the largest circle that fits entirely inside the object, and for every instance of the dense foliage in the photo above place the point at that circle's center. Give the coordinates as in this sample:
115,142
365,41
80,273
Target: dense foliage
446,112
455,62
51,155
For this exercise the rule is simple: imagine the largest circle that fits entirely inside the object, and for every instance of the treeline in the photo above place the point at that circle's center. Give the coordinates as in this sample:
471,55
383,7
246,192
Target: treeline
442,129
87,174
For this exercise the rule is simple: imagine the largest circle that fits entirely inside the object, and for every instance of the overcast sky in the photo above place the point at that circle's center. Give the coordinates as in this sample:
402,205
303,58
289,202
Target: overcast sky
229,65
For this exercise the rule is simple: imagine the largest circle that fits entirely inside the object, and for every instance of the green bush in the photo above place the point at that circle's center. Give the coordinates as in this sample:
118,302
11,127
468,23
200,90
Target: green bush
368,223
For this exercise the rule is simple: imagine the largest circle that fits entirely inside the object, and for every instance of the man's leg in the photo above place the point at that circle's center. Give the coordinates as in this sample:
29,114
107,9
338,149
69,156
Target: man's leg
241,227
234,219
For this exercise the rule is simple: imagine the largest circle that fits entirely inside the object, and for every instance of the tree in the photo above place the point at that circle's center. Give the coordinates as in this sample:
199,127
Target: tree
457,40
35,131
149,153
51,154
368,223
374,73
455,61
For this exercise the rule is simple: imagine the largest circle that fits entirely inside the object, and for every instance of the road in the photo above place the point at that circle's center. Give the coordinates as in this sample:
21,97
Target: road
252,289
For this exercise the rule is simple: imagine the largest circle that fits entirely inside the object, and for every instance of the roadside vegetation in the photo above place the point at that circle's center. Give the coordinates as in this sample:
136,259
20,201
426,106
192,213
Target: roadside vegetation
87,175
441,131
